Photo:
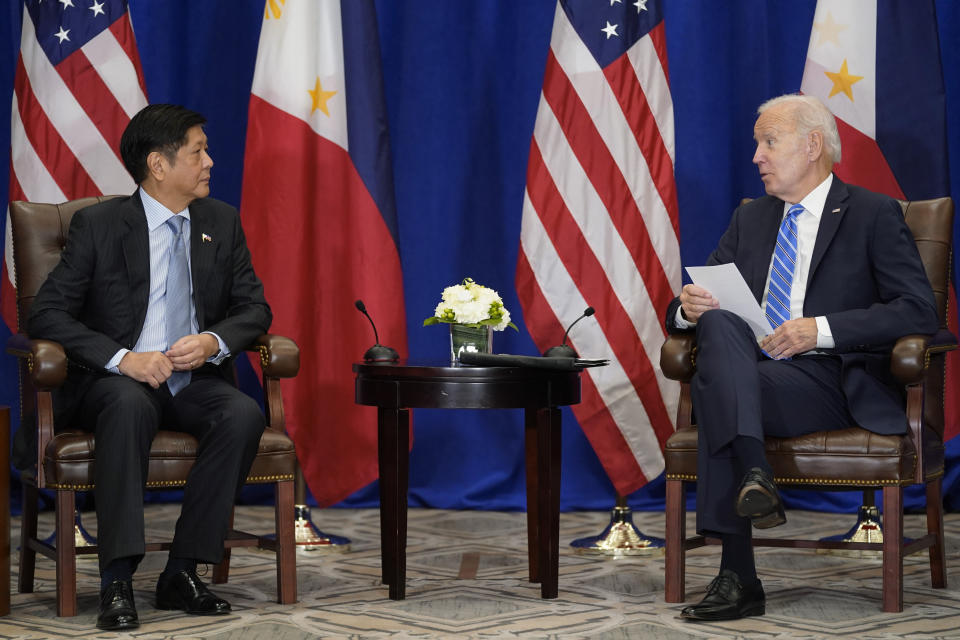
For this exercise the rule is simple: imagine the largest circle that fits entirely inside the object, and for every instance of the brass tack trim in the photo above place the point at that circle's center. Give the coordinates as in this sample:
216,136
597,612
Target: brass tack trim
264,355
172,484
689,477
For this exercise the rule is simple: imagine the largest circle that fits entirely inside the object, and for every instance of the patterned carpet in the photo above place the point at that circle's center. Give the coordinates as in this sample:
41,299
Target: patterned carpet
467,579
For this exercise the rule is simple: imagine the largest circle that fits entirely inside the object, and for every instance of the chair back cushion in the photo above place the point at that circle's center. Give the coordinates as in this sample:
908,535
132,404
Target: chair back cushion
931,223
39,233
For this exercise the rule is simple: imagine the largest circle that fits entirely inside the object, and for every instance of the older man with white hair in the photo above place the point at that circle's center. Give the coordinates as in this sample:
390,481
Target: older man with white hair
838,276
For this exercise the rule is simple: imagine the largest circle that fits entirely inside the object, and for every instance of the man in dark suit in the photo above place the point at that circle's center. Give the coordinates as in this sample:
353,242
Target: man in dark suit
838,275
153,296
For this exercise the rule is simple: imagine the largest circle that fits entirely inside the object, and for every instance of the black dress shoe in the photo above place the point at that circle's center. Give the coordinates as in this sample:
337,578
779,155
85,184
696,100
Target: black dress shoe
183,590
117,610
728,599
759,500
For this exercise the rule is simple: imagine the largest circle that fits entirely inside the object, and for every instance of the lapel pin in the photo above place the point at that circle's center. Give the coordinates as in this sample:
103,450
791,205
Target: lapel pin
837,210
205,238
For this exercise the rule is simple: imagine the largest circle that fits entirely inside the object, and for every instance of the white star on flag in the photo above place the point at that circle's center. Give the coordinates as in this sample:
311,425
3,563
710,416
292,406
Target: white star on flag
62,34
610,30
97,8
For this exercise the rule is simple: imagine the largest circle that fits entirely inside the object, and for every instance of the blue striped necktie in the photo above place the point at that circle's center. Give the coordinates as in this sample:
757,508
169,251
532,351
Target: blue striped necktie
781,272
177,298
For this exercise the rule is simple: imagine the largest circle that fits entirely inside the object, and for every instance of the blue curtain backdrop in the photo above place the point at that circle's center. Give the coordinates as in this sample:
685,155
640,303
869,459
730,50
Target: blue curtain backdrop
462,84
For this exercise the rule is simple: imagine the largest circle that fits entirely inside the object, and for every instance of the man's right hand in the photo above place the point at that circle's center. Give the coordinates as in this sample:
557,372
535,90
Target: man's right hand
695,301
152,367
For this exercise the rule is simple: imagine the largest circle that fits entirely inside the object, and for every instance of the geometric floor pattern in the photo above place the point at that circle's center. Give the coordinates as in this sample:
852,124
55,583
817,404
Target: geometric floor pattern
467,578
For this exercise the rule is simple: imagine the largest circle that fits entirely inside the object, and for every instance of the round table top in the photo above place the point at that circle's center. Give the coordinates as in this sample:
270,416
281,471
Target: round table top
439,385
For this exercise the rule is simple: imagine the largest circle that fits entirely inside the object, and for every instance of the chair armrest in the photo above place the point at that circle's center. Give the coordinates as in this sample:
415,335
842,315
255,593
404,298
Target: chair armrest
911,355
46,360
678,356
279,355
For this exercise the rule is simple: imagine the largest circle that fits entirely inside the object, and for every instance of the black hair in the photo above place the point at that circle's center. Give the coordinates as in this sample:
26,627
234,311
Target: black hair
156,127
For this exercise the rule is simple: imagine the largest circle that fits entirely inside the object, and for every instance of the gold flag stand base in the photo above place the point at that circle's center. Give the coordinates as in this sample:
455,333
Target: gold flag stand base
310,539
81,537
867,529
620,538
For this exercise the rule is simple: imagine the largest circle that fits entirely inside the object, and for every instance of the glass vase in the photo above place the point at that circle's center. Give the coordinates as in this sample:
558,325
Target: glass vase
470,339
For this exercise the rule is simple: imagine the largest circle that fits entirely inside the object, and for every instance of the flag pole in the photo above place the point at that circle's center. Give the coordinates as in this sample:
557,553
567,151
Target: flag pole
621,537
308,537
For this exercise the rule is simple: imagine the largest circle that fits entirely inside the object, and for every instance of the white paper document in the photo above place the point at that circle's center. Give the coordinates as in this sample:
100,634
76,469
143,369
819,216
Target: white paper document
727,285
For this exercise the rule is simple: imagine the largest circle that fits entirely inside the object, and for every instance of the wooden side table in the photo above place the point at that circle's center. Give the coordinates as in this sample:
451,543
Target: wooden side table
396,388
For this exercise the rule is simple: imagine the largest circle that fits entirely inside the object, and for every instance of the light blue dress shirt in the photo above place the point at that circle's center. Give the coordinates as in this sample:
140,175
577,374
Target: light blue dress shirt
153,335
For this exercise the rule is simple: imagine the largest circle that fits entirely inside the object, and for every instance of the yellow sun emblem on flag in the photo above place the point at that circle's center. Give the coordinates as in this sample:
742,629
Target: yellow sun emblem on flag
273,6
843,81
320,98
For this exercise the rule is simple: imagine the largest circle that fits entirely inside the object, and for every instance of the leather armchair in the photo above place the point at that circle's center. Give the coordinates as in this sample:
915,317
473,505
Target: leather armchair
848,458
66,457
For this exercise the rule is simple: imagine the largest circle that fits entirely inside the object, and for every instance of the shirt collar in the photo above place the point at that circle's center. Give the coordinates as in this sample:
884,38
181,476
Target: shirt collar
156,213
816,200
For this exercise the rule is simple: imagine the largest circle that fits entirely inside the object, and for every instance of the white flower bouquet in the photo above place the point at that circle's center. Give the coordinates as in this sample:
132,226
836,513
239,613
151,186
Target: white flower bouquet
472,305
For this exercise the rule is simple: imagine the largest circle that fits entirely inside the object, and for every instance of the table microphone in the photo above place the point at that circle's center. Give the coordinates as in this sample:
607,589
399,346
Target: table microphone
378,352
563,350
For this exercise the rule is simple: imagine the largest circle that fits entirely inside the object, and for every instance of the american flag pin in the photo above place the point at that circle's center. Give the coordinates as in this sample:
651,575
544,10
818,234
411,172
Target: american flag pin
205,238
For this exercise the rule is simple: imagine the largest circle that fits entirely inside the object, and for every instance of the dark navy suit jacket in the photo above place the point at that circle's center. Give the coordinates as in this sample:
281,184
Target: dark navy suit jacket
865,276
95,300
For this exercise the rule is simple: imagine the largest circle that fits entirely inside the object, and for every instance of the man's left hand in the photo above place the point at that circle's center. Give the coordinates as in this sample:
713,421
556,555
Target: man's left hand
190,352
792,337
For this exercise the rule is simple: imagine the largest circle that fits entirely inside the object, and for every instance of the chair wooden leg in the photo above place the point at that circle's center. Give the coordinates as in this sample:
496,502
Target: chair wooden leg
221,571
28,531
66,555
676,535
938,563
893,549
286,543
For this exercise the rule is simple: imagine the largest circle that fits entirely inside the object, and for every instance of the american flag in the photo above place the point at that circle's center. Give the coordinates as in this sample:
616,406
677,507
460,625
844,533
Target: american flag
600,224
78,83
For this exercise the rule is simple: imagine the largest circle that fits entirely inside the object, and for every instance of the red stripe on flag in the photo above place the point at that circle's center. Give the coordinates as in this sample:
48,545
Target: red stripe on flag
658,36
122,30
595,420
54,153
8,295
951,397
626,87
317,248
607,179
95,97
863,163
589,276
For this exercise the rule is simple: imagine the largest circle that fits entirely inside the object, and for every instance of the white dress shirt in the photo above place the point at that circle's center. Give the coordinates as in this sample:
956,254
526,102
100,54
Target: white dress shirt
808,223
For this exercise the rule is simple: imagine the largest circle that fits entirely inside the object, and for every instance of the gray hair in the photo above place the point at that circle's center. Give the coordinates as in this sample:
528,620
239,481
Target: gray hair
810,115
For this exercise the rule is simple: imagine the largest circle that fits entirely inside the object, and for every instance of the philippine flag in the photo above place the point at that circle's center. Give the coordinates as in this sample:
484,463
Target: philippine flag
318,208
876,65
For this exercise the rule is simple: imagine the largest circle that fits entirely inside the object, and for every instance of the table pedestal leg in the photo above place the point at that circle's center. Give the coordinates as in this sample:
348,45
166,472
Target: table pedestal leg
546,424
393,449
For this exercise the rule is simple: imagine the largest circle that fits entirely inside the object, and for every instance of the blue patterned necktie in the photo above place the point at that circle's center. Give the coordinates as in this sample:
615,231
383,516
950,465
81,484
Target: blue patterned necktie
781,272
177,298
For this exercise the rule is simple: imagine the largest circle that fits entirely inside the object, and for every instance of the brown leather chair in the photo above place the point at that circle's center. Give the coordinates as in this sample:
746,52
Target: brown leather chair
67,457
849,458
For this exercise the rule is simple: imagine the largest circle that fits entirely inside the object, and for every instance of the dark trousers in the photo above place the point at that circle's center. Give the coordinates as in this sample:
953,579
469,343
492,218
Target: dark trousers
738,391
126,415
